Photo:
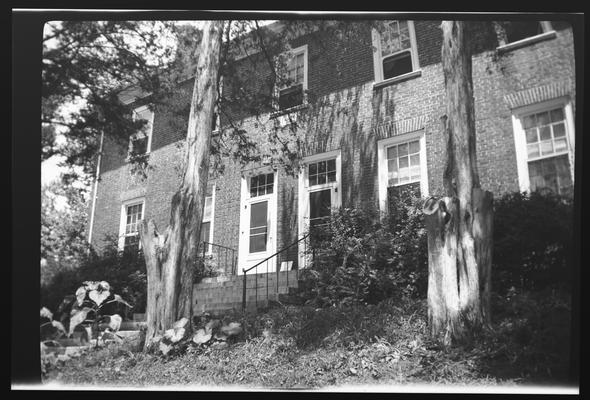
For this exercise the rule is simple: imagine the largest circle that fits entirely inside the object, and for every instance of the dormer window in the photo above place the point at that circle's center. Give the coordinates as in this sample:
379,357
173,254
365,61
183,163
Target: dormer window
394,51
291,91
140,142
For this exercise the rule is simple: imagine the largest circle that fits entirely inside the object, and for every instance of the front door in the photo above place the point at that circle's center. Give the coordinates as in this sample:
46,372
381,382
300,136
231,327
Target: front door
320,193
258,222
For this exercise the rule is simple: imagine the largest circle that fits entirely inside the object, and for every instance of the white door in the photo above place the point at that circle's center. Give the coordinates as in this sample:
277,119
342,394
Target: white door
319,193
258,222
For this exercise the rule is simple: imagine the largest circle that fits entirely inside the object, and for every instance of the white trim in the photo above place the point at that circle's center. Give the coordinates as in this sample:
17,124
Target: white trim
210,220
95,191
522,159
123,218
304,190
245,258
378,58
382,146
150,127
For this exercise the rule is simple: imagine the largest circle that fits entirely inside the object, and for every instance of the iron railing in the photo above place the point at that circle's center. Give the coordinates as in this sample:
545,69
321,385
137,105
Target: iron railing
277,270
223,253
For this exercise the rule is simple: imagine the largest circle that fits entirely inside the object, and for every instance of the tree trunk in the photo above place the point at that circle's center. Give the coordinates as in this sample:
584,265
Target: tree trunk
170,256
460,225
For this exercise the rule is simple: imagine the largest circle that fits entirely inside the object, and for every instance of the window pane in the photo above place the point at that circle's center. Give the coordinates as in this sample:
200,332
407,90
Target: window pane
331,165
543,118
529,121
313,180
557,115
270,178
403,162
415,159
313,169
397,65
533,150
531,135
545,132
258,214
320,203
560,145
207,210
254,182
392,152
257,243
205,229
321,179
559,130
415,173
253,192
269,189
392,165
551,173
261,190
321,167
414,147
402,149
332,176
546,147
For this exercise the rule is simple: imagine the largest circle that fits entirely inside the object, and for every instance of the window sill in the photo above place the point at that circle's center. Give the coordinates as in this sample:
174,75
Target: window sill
526,42
279,113
396,79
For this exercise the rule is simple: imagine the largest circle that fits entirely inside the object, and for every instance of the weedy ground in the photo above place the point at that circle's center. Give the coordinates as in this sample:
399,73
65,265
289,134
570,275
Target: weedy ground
383,344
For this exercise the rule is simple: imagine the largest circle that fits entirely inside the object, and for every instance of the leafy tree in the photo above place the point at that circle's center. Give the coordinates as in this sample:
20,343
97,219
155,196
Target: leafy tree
63,228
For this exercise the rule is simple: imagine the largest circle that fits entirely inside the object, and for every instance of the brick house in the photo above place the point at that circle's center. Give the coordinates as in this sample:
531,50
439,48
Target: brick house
373,107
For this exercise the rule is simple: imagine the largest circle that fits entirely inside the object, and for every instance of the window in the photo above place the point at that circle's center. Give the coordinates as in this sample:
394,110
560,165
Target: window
206,225
514,34
395,54
545,149
291,91
322,172
258,227
140,142
261,184
402,165
131,215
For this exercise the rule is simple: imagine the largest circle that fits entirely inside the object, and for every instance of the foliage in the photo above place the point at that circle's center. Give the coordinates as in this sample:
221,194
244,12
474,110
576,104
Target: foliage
386,343
126,272
532,241
63,228
358,258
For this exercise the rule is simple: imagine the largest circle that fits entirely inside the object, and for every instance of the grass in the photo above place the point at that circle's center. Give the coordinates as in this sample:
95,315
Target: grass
302,347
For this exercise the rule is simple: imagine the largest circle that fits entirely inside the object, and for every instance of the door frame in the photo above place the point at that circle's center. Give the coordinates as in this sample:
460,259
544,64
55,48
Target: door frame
245,259
304,190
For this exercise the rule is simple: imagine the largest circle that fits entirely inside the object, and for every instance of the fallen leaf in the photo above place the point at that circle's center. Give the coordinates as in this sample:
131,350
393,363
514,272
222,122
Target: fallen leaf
201,337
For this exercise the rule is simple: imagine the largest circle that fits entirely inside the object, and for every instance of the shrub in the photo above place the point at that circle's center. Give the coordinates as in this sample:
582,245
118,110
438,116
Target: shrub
359,257
125,271
532,241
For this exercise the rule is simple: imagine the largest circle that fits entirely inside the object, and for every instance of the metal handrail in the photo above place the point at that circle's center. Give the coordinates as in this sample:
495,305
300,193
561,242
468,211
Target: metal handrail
234,260
245,271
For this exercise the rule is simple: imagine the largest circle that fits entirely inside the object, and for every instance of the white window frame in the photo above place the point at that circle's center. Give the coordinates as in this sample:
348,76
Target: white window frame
548,33
291,54
522,160
245,258
382,146
378,58
211,220
304,189
123,219
148,133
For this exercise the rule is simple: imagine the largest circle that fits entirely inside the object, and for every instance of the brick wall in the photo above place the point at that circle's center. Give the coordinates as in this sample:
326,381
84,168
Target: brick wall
345,112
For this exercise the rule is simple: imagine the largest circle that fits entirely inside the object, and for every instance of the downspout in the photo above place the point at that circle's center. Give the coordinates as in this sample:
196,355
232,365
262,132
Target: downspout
95,190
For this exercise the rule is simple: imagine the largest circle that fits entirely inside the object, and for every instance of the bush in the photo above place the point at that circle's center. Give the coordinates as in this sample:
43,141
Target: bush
125,272
360,258
532,241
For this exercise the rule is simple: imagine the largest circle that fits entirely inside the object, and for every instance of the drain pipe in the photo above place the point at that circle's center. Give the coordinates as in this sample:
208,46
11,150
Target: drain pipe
95,189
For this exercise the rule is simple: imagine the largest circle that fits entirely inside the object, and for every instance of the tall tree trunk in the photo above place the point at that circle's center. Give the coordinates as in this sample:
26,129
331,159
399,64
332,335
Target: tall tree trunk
460,225
170,256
